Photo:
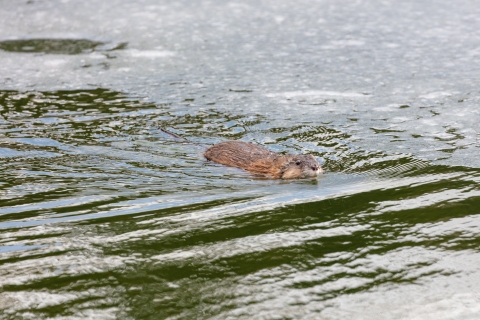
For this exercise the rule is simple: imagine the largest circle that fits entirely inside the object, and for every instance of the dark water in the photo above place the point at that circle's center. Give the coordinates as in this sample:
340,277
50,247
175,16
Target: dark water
103,216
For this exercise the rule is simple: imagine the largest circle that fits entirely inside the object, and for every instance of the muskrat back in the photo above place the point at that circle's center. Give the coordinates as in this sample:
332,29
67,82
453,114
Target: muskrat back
259,160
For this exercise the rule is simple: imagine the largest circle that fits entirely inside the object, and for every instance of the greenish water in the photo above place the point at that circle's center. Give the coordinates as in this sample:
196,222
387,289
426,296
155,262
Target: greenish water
102,215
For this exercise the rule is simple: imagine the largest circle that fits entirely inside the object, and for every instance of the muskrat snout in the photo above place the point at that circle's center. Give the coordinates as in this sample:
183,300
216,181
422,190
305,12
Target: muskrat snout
317,169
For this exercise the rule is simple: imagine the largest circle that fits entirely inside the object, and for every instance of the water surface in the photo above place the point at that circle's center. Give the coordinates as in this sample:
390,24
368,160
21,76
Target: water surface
104,216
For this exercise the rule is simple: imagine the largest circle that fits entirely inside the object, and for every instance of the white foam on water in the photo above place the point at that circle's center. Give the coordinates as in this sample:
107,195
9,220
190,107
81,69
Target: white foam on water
151,54
55,62
317,93
435,95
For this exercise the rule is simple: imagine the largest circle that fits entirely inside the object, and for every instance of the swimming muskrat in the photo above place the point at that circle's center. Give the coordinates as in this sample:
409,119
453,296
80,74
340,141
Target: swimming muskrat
259,160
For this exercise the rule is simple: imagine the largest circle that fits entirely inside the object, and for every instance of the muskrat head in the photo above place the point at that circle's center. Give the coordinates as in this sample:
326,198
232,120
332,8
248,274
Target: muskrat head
301,166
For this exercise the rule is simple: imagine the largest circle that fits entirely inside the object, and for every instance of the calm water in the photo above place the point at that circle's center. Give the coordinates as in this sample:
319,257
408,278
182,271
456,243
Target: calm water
103,216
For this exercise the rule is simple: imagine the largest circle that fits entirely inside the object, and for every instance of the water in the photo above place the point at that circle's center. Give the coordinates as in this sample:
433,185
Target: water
104,216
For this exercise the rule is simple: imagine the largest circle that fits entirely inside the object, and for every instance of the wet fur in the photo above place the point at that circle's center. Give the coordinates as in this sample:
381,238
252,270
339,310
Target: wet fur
259,160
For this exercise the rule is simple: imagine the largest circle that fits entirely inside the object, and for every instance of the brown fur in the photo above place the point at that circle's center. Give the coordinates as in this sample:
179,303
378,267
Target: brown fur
259,160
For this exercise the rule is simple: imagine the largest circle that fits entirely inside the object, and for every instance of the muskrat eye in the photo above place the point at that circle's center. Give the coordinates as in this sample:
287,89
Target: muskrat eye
298,163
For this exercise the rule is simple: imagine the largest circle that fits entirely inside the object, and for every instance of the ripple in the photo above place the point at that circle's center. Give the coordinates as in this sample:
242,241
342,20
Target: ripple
125,209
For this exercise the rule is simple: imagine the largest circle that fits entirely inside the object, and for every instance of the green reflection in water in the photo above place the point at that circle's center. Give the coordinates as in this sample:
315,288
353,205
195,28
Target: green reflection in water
147,229
53,46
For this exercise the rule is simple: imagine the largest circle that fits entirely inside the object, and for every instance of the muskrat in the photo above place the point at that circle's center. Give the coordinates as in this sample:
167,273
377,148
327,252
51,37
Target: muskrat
259,160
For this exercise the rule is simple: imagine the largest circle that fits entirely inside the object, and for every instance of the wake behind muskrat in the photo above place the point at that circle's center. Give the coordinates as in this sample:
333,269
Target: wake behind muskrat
261,161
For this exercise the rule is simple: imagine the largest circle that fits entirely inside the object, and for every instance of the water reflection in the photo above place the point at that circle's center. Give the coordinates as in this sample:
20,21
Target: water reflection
103,215
57,46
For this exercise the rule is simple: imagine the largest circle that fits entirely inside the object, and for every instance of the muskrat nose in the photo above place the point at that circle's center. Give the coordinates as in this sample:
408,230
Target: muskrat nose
314,168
